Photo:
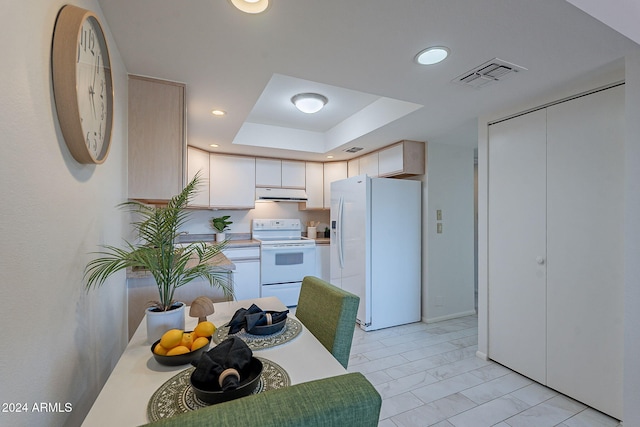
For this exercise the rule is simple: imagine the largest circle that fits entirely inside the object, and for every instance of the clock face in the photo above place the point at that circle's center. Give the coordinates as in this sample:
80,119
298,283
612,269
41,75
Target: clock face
93,86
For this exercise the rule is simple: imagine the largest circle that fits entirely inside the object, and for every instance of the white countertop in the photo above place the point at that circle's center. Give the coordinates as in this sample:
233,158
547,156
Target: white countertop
124,398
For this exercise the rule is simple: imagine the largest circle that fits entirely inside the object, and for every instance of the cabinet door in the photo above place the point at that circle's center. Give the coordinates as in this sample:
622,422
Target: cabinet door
353,168
323,268
369,165
293,174
314,185
333,171
232,181
391,160
585,283
517,244
268,173
198,162
156,149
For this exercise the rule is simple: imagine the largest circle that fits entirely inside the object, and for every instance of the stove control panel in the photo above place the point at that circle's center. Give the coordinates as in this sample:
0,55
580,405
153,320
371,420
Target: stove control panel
276,224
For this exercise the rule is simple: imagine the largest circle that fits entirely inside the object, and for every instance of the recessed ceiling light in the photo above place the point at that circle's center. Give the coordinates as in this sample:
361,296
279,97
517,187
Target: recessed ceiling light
329,157
251,6
309,102
214,145
432,55
218,112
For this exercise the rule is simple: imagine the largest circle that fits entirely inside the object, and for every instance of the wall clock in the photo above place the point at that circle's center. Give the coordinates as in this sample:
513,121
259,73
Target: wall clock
82,84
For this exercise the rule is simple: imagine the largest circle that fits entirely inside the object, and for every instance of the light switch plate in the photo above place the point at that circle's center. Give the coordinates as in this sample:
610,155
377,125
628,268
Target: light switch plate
439,214
439,228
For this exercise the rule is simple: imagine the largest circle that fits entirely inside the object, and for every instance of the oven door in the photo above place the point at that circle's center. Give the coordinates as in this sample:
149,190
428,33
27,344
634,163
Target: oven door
286,263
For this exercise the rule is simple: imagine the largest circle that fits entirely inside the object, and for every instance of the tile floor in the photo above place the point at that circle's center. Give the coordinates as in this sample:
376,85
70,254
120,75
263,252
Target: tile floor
429,375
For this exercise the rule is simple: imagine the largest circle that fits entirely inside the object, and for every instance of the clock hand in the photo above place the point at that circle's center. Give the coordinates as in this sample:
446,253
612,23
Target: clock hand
93,103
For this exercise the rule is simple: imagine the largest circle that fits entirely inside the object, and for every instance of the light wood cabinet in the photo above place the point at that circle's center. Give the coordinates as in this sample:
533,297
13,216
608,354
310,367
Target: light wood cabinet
314,178
293,174
369,165
274,173
268,173
403,159
156,148
555,247
232,182
198,162
246,276
353,167
333,171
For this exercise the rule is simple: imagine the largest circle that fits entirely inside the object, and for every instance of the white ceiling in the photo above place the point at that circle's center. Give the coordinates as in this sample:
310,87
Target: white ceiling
359,53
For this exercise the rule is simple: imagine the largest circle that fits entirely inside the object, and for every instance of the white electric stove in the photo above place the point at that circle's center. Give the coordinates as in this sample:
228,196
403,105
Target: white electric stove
286,257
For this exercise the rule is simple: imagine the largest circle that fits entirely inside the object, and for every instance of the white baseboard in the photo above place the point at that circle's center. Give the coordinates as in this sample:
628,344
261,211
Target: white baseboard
481,355
448,316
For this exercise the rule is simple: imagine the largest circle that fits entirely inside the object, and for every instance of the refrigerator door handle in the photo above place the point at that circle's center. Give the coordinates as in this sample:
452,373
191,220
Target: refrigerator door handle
339,232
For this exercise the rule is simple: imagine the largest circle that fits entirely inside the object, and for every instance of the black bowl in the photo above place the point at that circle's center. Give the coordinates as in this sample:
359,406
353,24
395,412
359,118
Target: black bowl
212,393
268,329
179,359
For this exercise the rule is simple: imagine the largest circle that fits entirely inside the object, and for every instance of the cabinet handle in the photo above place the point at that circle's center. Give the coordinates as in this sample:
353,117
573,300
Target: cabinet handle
540,260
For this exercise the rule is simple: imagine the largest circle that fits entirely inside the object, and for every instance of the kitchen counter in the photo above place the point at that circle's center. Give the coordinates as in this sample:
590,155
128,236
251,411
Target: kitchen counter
322,240
219,261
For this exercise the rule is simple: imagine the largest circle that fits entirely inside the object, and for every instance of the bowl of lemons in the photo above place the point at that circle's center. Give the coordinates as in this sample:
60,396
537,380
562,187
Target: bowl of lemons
178,347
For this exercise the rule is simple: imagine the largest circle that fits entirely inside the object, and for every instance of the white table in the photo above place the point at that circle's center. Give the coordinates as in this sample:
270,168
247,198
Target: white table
124,398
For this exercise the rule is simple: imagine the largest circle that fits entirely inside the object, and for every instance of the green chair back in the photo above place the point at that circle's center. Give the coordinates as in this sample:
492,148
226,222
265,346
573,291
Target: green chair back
330,314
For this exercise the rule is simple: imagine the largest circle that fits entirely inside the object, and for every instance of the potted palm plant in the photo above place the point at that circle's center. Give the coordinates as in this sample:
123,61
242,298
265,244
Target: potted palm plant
172,266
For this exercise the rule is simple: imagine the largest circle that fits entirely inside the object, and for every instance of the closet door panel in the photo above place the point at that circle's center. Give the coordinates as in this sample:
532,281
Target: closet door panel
585,249
517,246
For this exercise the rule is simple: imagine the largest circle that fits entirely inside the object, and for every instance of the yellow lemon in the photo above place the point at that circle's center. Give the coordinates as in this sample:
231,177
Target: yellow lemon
205,329
171,338
178,350
187,339
158,349
199,342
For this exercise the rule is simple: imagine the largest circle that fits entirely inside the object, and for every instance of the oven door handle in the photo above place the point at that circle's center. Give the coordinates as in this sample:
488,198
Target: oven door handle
296,248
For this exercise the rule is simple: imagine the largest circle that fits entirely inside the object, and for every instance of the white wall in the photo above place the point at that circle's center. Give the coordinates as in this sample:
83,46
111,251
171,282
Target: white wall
448,258
632,245
59,343
199,222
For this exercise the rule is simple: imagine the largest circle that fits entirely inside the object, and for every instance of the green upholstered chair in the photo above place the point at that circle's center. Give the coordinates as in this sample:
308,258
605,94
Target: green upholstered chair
345,400
330,314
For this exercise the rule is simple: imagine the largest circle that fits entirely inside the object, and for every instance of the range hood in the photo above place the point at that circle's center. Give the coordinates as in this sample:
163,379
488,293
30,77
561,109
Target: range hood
280,195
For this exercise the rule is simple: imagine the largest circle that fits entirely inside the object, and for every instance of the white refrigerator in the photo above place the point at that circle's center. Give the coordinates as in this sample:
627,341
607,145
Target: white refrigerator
376,247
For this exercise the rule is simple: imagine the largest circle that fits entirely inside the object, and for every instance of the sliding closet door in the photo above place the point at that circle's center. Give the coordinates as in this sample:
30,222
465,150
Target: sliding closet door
517,247
585,170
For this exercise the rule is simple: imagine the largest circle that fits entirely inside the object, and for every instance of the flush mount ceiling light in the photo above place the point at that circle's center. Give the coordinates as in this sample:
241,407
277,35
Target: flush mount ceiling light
309,102
218,112
251,6
432,55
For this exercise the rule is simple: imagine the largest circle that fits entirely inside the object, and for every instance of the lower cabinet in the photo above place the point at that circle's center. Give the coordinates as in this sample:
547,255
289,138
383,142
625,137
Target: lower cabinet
323,268
246,276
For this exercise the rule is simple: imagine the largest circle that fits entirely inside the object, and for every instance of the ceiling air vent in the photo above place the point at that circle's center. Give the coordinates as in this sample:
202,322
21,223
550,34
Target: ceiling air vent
352,149
490,72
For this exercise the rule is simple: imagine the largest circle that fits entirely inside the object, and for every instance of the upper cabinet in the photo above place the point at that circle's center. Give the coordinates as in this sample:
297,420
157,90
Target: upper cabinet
198,162
232,181
314,173
293,174
280,173
369,165
333,171
156,139
405,158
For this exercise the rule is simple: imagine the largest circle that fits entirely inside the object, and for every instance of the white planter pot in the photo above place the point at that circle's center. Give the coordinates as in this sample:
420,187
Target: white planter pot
159,322
220,237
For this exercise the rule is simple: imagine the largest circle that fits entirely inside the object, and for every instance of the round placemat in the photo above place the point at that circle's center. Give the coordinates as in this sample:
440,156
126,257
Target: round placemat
176,395
259,342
